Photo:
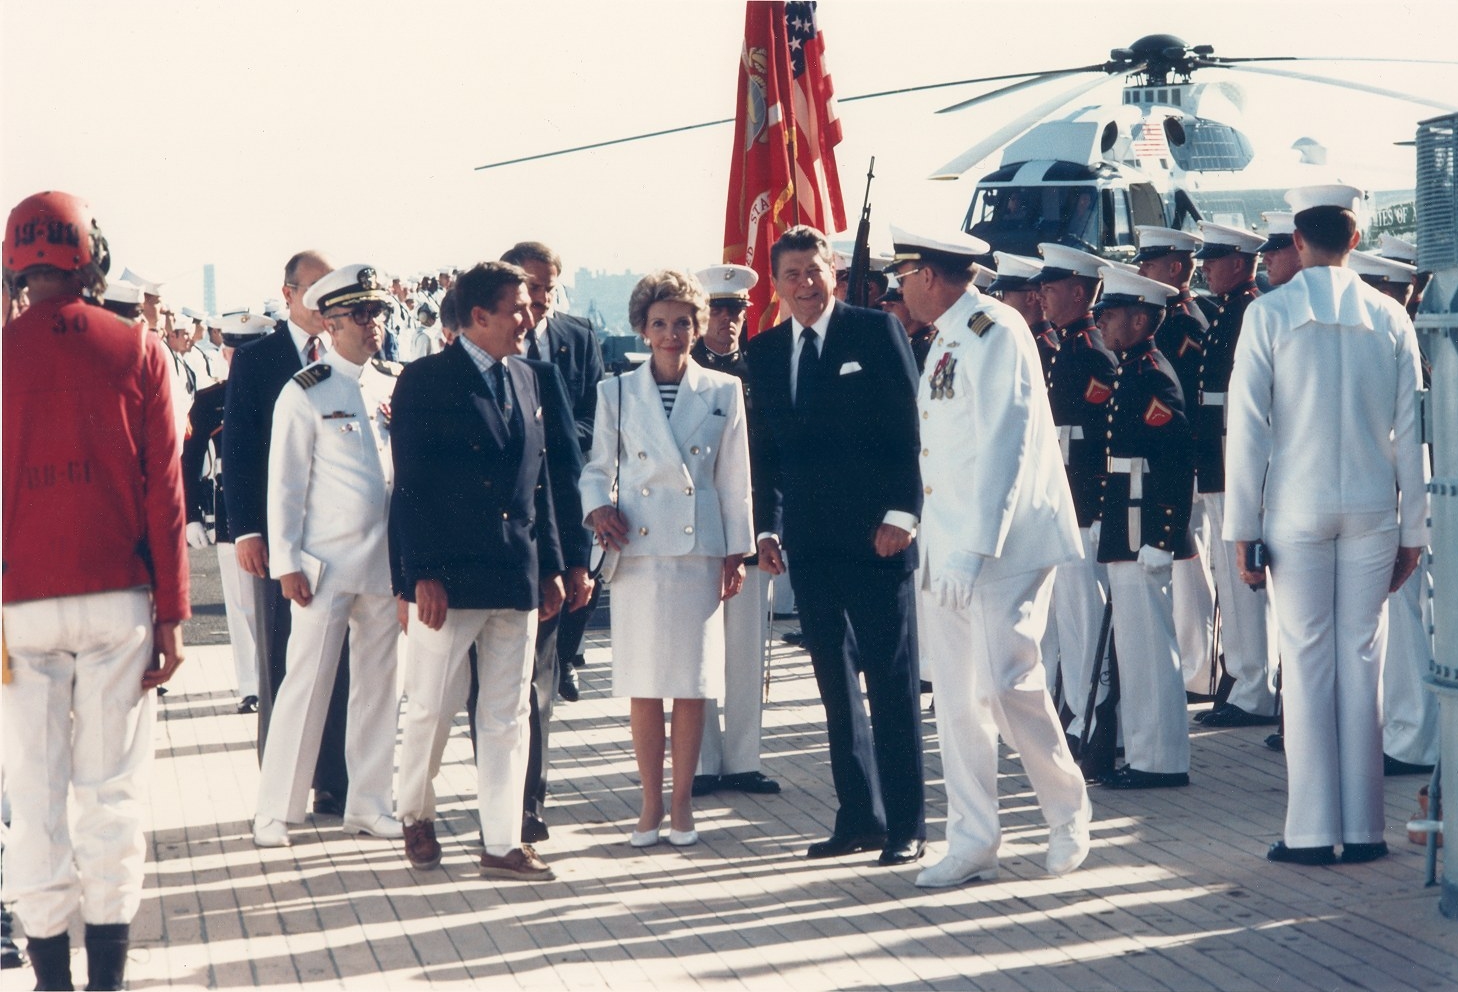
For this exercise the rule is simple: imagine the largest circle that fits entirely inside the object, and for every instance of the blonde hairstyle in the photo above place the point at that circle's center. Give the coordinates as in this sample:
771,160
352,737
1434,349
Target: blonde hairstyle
667,286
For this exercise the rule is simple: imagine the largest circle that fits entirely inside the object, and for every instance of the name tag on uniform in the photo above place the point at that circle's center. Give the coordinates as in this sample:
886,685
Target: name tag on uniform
340,415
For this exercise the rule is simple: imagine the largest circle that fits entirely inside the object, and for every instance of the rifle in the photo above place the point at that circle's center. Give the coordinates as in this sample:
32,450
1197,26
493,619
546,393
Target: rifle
858,295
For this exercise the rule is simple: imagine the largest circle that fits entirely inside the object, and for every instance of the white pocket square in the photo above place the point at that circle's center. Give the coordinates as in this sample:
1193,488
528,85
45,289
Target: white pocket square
850,367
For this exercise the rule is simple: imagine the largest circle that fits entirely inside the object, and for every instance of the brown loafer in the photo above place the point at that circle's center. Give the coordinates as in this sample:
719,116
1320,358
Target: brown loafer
520,862
421,847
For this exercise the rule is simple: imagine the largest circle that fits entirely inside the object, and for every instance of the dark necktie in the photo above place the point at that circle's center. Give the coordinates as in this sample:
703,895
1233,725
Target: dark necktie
311,348
498,386
808,369
533,351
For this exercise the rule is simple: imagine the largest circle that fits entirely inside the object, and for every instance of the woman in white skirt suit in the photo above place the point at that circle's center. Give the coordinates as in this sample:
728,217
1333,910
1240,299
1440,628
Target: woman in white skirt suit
668,479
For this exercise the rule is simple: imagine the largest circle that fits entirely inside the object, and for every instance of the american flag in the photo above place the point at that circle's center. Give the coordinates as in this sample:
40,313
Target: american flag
785,134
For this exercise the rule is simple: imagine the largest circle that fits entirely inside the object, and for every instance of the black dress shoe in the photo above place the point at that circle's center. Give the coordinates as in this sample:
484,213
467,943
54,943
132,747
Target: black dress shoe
1356,854
1231,715
1309,856
567,686
926,687
902,853
327,804
838,846
704,785
793,637
1132,778
756,782
533,829
578,660
1276,742
1392,766
248,704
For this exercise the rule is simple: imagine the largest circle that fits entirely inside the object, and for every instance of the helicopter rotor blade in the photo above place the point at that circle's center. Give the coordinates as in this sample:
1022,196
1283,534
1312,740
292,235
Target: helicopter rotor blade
1046,77
1011,130
1051,73
1329,81
1221,60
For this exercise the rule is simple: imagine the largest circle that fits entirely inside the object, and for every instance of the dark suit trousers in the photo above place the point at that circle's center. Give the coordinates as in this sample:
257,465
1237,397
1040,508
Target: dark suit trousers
272,637
862,619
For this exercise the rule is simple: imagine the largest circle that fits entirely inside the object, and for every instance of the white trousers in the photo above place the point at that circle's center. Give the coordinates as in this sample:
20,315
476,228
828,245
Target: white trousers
297,725
1329,577
1409,711
988,673
1080,591
1250,654
1194,606
736,749
1152,712
241,606
77,722
437,679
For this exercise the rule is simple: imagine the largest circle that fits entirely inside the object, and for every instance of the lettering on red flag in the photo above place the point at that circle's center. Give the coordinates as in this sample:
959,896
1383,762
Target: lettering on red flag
1158,414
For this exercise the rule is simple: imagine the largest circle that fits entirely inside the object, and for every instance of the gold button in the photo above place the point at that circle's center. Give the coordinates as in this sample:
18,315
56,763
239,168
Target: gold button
689,529
689,491
1168,513
643,531
645,490
924,415
694,450
505,515
925,452
927,490
1108,433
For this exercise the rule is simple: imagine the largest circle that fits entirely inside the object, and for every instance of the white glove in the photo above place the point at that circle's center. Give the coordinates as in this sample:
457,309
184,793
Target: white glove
955,580
1152,559
197,535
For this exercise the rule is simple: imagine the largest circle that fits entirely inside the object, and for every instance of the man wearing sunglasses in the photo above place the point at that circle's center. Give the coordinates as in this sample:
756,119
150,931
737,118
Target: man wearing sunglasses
329,479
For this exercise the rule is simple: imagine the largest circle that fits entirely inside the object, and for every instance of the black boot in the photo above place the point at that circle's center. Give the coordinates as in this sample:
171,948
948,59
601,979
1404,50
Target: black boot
51,959
106,954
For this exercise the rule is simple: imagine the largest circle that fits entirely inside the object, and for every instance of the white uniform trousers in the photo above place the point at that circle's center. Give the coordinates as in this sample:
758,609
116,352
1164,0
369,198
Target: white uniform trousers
736,749
436,682
1080,590
1152,716
1250,654
1409,711
1329,576
1194,607
241,606
988,674
77,722
299,711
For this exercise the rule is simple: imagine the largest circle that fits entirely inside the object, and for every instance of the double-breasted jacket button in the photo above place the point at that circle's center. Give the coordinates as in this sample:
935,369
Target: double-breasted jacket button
643,531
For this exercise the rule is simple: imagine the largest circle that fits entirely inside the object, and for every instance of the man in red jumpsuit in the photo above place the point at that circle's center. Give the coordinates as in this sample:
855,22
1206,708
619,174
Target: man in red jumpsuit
96,585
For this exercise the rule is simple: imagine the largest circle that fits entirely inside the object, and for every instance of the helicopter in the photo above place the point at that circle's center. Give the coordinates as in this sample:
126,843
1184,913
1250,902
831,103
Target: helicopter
1089,178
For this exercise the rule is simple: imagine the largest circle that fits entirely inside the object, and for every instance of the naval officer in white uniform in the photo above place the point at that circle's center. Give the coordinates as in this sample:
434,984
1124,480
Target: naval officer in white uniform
1326,467
329,479
998,517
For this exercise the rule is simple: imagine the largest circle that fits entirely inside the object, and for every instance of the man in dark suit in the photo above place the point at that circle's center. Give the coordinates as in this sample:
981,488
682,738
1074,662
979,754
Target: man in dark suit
255,378
836,477
569,343
479,435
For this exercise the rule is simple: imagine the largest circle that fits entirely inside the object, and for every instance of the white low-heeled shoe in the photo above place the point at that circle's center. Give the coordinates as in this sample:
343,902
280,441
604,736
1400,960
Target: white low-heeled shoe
952,871
643,838
384,827
1068,843
683,838
270,833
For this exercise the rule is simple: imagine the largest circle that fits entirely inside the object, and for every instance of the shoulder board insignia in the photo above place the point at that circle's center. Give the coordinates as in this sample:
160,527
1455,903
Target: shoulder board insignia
313,375
980,324
1158,414
387,368
1097,392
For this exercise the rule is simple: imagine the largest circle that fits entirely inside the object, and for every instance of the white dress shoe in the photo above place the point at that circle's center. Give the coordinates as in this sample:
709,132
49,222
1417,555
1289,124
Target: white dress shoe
270,833
953,870
1068,843
683,838
384,827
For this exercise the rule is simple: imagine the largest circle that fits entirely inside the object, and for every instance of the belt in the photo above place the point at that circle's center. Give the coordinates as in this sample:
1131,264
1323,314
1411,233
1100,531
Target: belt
1135,469
1211,399
1066,433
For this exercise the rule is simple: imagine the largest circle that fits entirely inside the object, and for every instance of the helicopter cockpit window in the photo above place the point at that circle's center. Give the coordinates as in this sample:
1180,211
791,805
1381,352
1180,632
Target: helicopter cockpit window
1017,218
1211,146
1116,206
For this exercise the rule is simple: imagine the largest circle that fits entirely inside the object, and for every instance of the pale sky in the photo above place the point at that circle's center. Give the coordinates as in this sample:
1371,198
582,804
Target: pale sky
239,133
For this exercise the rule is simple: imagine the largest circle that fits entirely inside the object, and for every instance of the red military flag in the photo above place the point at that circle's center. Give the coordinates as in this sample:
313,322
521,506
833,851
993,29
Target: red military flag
785,133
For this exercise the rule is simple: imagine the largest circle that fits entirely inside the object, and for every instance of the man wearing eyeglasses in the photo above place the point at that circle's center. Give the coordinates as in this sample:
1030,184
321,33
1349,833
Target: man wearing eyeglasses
329,480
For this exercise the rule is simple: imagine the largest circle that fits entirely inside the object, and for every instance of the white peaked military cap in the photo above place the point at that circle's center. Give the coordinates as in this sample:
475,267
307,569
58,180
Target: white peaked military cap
1156,242
275,308
1061,261
123,292
1280,225
842,260
1398,249
1123,288
727,282
213,320
347,284
148,287
241,327
958,249
1014,272
192,314
1370,266
1325,195
1221,240
982,276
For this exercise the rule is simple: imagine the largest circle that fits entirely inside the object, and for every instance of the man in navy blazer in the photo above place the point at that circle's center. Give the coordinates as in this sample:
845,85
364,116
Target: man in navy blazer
485,474
256,376
836,480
